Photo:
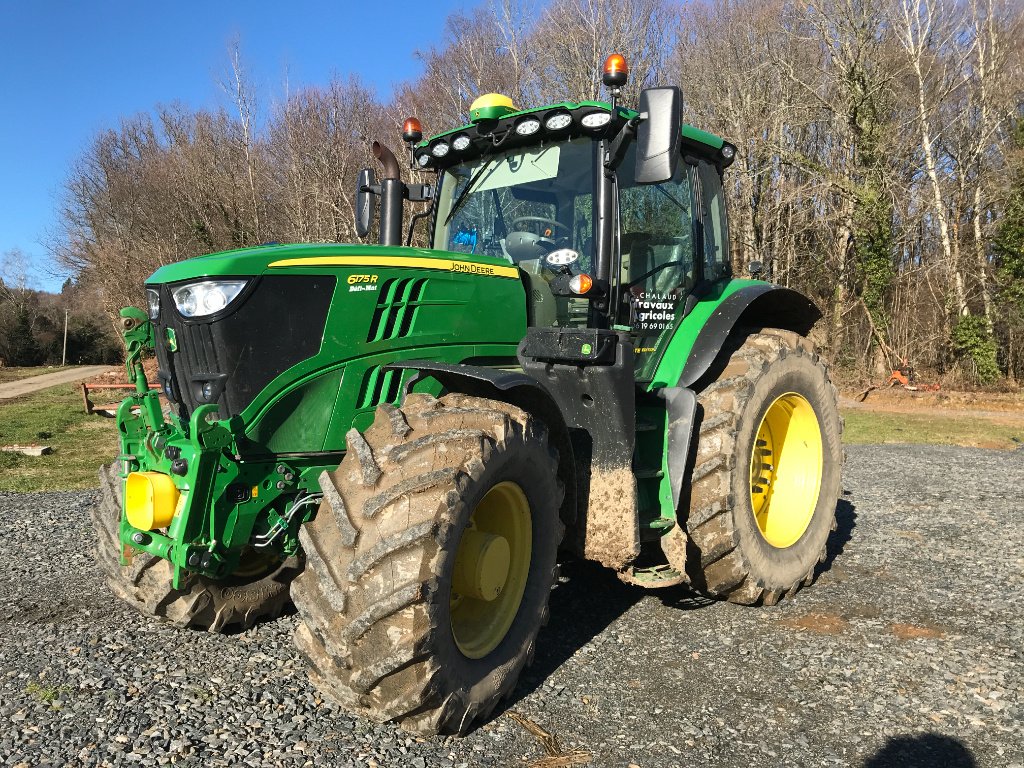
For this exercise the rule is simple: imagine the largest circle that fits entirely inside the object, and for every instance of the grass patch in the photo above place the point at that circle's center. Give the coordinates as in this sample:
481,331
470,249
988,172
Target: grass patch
47,693
863,426
54,417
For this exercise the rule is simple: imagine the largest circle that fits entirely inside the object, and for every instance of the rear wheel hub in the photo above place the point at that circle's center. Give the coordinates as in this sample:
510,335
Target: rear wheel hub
785,470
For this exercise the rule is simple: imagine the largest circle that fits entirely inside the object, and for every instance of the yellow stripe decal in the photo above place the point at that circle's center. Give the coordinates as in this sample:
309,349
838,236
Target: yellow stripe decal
446,265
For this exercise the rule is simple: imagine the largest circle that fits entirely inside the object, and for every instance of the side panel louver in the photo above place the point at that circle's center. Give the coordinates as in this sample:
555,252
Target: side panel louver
379,386
396,309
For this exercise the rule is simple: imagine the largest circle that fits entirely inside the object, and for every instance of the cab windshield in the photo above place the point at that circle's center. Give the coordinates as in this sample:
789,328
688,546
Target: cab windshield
521,204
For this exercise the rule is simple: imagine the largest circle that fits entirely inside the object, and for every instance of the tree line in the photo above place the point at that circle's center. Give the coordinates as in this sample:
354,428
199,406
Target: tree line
880,164
33,322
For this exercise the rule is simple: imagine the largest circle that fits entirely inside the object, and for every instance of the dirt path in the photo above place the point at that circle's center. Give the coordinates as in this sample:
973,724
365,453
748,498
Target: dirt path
1001,417
1001,408
35,383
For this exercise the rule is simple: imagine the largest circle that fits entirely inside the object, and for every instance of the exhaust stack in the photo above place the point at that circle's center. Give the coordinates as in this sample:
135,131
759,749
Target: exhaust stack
392,192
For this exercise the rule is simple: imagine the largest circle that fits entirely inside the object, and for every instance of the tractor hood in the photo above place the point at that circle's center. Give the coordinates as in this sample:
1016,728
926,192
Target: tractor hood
289,323
280,259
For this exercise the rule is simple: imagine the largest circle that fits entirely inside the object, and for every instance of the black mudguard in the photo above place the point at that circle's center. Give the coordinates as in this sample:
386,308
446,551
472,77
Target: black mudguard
756,306
681,405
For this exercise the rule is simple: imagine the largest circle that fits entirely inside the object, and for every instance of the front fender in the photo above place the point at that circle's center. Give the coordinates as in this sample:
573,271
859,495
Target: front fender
514,388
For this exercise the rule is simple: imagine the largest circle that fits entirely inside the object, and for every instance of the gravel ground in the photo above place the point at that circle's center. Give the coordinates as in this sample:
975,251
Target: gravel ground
906,652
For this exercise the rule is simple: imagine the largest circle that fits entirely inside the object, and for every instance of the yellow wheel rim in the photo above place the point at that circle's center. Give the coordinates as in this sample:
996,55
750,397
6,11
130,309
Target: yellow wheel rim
785,470
491,568
254,563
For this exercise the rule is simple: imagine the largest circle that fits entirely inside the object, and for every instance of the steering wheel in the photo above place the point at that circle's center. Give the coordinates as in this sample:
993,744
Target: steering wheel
523,245
539,220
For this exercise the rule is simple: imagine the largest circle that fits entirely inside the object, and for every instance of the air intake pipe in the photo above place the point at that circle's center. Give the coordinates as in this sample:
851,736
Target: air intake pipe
392,194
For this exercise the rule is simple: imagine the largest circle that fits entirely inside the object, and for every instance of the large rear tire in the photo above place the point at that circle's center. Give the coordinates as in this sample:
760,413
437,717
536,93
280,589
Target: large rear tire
201,603
430,562
767,471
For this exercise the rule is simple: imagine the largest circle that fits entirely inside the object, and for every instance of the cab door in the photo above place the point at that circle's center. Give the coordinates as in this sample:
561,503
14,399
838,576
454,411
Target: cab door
659,258
673,241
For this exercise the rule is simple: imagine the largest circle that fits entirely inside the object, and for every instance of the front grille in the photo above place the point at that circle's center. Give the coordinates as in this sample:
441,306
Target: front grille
277,322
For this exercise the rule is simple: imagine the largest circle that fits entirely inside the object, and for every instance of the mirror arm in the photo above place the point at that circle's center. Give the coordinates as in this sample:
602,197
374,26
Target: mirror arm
616,152
422,214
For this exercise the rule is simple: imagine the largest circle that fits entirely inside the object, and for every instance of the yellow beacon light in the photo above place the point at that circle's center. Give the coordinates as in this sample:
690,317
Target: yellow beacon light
490,106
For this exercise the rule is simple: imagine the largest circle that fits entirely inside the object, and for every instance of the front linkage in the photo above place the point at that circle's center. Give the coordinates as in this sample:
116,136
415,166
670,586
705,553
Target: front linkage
189,495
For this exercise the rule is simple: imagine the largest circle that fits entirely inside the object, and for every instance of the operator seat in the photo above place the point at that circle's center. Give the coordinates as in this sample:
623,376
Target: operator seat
642,252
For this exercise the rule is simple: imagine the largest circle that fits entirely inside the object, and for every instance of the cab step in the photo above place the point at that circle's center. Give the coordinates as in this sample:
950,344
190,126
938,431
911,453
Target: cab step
654,576
649,474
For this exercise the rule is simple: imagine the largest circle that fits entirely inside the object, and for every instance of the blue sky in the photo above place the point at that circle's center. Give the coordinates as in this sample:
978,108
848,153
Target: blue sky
70,69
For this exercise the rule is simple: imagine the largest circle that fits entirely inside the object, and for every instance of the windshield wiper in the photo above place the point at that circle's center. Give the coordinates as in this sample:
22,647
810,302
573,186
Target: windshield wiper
671,197
468,188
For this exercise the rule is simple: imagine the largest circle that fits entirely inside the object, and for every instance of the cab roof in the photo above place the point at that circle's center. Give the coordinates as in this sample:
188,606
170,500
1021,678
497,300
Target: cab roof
487,134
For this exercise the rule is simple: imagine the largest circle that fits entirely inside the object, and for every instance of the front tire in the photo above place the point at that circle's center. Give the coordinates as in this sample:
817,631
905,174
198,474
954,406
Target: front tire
201,603
767,472
431,561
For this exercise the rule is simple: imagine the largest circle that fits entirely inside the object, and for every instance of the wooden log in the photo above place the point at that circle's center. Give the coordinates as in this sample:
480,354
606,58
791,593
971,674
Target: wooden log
28,450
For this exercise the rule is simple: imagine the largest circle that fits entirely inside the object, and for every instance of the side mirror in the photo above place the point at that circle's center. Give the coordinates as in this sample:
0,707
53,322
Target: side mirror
755,268
366,200
657,147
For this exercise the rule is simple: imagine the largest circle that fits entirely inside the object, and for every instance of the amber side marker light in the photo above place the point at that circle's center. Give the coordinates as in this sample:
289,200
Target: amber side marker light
580,284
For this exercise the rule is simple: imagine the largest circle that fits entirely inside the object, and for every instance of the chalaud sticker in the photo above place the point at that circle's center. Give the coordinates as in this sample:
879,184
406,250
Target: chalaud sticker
653,312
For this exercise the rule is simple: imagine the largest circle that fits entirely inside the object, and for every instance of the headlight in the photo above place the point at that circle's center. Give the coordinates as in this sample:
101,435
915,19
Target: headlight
423,160
596,119
153,299
563,257
440,149
460,142
207,297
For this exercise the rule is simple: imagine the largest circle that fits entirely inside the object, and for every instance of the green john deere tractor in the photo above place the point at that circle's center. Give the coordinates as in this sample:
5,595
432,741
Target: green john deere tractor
401,440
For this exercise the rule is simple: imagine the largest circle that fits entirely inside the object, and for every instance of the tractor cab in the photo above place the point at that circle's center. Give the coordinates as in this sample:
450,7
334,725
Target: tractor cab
614,217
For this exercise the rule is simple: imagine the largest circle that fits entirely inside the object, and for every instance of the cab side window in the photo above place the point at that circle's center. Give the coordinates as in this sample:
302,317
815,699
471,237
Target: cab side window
656,234
716,235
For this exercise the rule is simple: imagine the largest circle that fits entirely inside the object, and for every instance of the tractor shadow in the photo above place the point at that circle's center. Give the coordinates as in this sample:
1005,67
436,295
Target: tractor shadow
846,521
588,598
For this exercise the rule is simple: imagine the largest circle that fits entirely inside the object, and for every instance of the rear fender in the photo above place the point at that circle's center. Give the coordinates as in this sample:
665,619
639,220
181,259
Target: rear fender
700,336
